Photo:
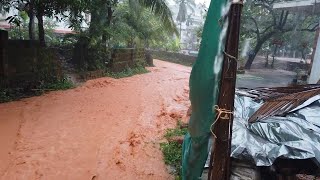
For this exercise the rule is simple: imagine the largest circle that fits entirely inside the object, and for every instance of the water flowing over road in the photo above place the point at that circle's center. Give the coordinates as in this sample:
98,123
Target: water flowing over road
105,129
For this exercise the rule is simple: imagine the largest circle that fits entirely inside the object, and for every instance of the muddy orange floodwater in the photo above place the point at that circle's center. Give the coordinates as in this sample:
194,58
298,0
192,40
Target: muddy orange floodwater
105,129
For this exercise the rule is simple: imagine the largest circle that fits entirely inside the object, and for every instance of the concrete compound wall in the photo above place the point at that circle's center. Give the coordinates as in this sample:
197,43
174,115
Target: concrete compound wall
174,57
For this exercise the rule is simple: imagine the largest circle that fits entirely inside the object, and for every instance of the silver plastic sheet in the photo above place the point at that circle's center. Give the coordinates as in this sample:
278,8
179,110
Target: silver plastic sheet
296,136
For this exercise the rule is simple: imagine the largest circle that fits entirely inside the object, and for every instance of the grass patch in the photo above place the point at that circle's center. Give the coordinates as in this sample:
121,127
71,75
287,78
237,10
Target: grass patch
172,151
58,85
175,132
138,69
5,95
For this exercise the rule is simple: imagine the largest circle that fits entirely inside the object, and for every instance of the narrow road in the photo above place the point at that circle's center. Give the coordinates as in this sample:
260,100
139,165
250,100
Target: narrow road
105,129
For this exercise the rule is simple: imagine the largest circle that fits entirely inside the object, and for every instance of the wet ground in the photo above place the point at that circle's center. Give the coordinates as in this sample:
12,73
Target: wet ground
265,78
105,129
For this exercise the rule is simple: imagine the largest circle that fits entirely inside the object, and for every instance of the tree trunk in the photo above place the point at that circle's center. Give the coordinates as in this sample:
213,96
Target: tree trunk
31,20
274,54
94,22
41,27
253,55
31,28
267,60
303,55
259,44
106,37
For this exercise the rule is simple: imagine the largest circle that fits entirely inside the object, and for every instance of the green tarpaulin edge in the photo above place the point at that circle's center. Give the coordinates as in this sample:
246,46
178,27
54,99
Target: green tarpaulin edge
204,86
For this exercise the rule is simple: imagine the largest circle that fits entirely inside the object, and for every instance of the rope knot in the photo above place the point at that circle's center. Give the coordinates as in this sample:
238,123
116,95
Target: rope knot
220,111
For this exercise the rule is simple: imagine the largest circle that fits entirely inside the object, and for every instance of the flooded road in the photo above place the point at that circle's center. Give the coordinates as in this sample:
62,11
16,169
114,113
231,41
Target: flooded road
105,129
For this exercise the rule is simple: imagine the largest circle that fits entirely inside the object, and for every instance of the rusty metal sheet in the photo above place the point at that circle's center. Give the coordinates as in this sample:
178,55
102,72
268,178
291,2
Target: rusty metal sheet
264,93
279,106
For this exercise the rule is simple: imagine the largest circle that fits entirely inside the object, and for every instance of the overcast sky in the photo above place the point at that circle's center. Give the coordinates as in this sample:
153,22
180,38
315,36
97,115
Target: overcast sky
207,2
203,1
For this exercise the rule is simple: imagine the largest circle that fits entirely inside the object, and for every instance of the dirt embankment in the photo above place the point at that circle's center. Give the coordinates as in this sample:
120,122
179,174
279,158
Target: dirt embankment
105,129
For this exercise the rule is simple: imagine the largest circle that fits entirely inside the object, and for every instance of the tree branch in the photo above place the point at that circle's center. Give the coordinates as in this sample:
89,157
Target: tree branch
267,29
281,19
270,9
312,29
285,19
257,28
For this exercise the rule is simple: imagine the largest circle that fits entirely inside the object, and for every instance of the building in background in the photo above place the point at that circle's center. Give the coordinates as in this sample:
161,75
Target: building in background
189,41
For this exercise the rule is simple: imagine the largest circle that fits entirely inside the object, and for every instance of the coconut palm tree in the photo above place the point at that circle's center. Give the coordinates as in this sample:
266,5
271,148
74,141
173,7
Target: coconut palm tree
161,9
102,13
184,5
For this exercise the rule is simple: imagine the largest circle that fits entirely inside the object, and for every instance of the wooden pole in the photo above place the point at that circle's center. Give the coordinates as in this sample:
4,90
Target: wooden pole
220,156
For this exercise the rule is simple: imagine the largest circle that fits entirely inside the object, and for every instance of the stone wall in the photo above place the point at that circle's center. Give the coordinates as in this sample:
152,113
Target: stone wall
126,57
22,56
174,57
24,62
3,53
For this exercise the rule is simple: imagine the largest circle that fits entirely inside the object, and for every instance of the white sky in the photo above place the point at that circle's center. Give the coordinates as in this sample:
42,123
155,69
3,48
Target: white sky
207,2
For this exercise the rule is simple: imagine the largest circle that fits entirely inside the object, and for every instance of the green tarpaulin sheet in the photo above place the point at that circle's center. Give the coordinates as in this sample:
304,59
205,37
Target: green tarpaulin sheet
204,87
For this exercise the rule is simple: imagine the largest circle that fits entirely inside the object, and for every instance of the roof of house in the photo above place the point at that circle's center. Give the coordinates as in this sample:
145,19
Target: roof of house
305,6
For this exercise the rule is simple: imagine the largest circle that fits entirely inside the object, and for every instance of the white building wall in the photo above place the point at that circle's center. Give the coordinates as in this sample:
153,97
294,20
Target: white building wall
315,70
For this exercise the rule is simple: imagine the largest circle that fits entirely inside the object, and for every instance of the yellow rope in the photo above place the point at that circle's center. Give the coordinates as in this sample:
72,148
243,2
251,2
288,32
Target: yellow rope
218,116
230,56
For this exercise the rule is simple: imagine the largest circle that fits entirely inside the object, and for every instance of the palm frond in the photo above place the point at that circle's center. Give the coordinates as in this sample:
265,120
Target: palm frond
161,9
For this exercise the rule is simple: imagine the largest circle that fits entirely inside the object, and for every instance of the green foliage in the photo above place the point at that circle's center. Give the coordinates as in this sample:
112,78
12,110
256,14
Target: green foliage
20,30
136,28
167,44
11,94
139,68
97,57
46,76
175,132
172,151
57,85
261,24
160,9
5,95
48,70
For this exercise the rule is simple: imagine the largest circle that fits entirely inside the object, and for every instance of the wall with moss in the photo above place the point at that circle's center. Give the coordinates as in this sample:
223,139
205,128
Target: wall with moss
126,57
26,64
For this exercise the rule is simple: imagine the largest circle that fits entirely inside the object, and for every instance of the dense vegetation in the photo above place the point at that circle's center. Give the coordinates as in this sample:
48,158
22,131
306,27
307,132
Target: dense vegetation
98,25
172,151
111,23
268,31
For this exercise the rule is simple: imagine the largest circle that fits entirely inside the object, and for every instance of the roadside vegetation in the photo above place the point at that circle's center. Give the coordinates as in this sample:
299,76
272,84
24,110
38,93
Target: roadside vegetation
128,24
127,72
172,150
12,94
